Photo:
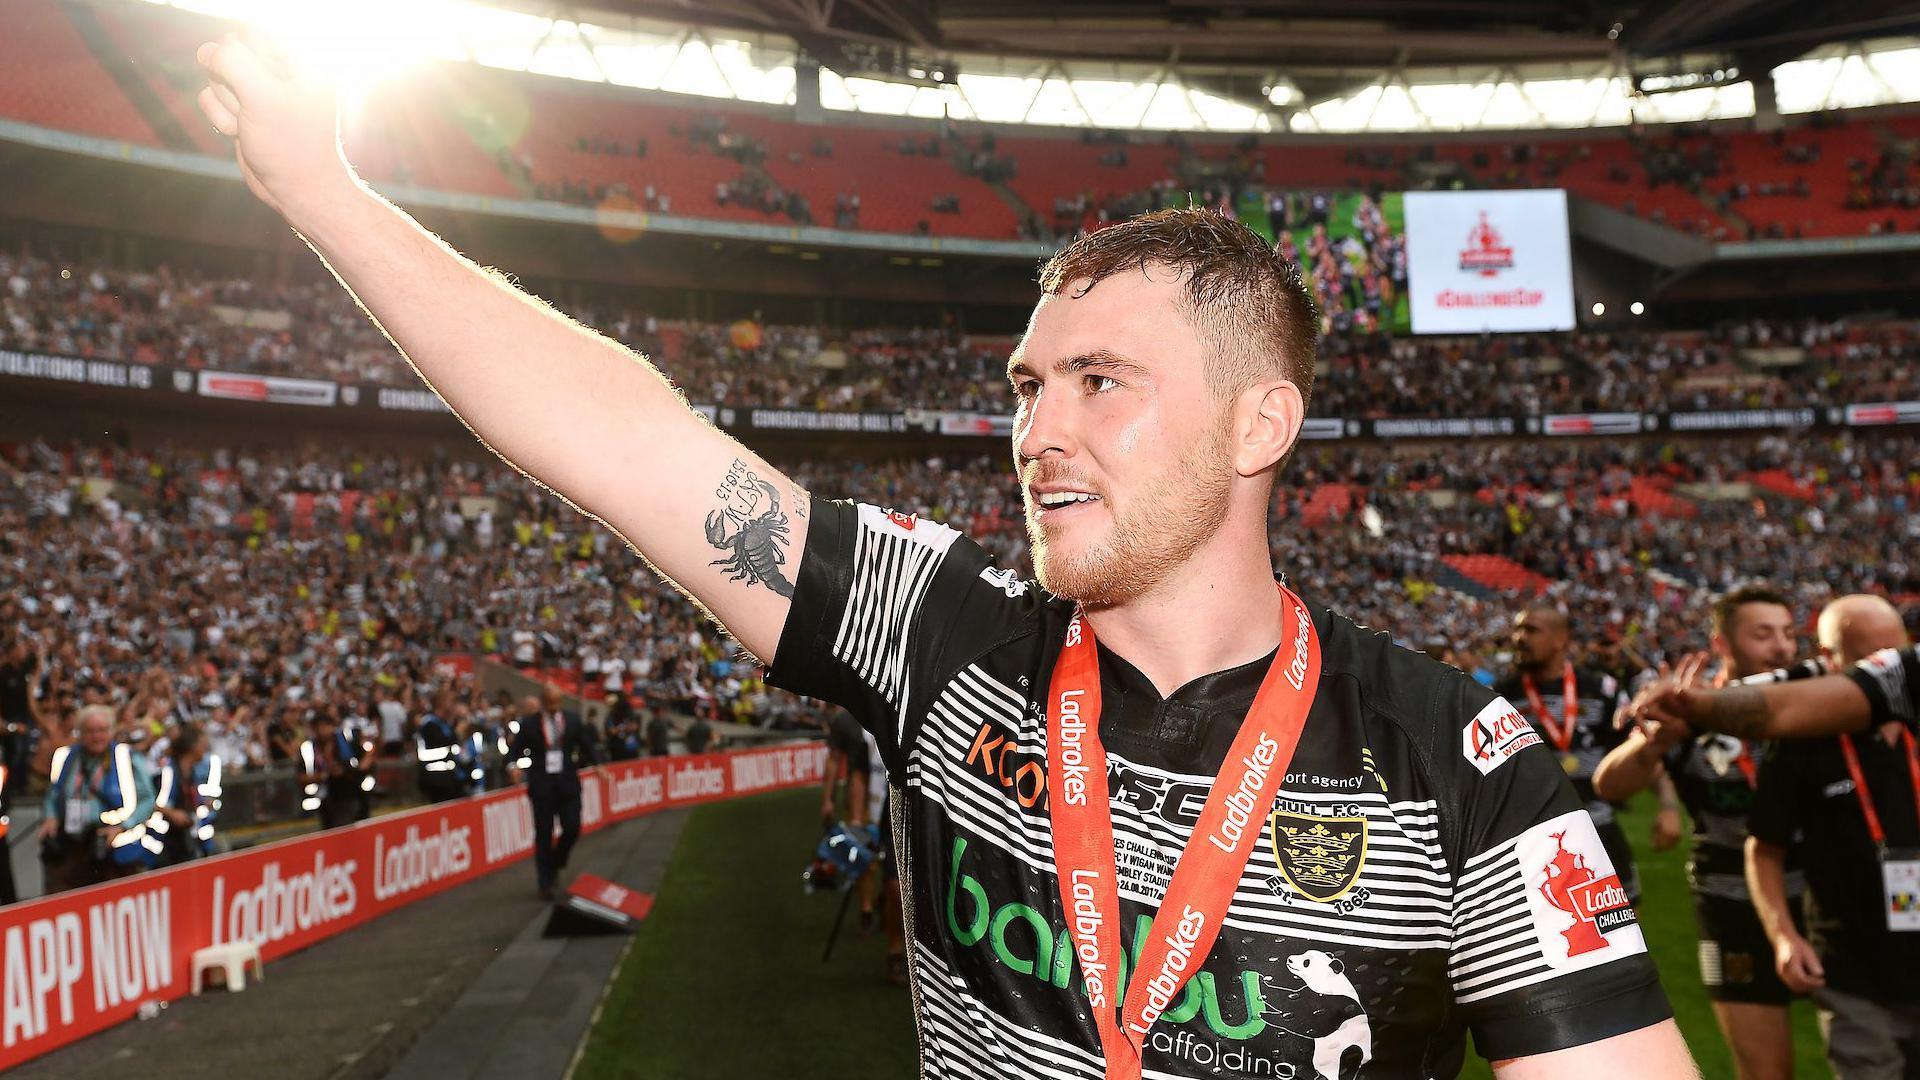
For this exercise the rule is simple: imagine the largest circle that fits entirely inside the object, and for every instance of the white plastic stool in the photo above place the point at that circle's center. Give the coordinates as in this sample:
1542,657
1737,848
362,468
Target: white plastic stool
231,958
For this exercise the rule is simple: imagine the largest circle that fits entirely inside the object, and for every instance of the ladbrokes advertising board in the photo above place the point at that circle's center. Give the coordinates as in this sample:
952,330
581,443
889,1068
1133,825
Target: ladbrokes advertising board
82,961
1489,260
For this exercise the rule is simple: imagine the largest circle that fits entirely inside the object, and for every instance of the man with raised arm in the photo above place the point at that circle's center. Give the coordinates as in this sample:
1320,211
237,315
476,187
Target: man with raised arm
1883,688
1159,814
1847,808
1716,776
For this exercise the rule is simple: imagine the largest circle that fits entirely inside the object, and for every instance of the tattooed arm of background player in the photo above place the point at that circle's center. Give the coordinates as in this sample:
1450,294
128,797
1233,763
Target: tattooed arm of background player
1808,709
1674,704
1656,1052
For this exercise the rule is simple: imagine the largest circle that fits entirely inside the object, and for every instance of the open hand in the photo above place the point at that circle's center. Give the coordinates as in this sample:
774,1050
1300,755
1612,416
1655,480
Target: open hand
1664,707
284,123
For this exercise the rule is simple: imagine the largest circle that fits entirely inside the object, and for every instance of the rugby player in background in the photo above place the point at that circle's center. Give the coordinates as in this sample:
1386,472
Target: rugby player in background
1715,776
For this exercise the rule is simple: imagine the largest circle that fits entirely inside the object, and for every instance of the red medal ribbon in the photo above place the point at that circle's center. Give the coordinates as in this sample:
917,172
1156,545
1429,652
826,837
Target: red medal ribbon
1191,913
1561,737
1745,762
1874,830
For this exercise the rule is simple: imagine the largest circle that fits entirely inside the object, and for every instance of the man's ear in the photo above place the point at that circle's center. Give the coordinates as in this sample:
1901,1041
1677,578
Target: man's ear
1267,419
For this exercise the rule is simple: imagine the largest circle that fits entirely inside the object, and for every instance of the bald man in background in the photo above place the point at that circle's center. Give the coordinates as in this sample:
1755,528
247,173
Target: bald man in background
1840,806
1572,707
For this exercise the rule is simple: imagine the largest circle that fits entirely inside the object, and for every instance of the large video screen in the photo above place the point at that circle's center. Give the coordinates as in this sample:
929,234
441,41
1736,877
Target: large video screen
1351,248
1488,260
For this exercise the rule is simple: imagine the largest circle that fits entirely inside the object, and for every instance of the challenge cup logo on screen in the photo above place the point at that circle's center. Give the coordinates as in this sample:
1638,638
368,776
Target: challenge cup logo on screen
1485,253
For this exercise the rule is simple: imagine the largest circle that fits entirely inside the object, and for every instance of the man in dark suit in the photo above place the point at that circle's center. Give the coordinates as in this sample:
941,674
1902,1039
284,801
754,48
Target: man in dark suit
553,745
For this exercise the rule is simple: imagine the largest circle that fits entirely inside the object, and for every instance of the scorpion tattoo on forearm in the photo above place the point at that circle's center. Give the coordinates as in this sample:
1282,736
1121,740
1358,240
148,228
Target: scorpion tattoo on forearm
751,529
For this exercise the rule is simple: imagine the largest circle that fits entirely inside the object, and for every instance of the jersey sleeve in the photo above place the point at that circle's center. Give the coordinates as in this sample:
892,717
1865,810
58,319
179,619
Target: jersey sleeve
1891,679
1546,953
883,602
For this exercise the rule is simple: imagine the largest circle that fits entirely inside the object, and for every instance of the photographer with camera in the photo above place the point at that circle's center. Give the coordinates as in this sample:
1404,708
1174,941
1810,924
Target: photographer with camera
94,822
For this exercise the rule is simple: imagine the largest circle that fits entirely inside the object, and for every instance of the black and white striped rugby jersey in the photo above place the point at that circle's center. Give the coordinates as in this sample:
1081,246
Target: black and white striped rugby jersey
1426,870
1891,680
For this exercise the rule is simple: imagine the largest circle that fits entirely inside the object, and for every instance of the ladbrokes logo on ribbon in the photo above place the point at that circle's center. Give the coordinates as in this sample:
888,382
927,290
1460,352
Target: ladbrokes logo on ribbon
1320,857
1486,253
1581,915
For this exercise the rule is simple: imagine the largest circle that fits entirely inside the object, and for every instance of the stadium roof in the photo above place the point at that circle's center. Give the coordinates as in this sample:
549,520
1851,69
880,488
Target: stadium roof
1299,66
1301,37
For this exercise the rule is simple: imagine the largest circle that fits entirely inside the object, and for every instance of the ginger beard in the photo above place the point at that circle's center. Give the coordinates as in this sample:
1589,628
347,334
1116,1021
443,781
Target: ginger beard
1152,528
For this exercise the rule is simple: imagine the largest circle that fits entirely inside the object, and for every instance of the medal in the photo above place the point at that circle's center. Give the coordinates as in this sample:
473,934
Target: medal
1560,734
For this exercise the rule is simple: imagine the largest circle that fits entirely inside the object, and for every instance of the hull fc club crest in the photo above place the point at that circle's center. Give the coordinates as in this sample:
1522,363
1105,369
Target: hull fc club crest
1320,857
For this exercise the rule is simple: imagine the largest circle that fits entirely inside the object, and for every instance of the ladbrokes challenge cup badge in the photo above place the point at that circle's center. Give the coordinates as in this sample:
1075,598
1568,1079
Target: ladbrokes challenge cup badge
1320,857
1581,914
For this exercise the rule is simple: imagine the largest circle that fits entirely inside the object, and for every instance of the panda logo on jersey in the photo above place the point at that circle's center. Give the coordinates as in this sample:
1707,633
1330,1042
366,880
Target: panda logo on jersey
1324,1008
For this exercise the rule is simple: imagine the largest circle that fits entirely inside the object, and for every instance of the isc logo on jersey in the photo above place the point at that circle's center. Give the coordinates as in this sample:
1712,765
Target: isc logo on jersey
1006,581
1581,914
1496,734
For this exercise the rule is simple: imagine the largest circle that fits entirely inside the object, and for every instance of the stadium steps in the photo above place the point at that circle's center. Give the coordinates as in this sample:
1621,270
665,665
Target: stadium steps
1497,574
1329,502
1013,200
1725,208
1447,578
122,69
1654,497
1781,483
956,156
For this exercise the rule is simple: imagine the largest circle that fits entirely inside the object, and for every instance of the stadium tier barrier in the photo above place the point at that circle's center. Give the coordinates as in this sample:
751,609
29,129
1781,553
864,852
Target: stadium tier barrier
80,962
754,419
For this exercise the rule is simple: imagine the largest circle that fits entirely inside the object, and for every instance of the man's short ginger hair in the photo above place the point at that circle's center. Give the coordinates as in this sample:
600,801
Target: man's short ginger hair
1247,304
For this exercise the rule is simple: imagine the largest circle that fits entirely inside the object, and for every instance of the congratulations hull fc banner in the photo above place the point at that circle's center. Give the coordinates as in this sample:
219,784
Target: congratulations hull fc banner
1488,260
82,961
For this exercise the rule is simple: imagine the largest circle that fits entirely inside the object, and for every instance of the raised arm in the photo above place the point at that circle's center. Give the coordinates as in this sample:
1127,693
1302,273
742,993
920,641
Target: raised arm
1812,708
1807,708
581,414
1629,768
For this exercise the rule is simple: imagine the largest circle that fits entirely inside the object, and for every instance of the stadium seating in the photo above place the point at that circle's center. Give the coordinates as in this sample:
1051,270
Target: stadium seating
1498,574
49,76
126,72
325,336
354,546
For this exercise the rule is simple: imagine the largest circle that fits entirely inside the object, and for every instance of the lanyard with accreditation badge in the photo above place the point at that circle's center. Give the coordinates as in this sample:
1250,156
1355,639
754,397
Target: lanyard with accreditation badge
554,727
1561,736
1899,868
1196,900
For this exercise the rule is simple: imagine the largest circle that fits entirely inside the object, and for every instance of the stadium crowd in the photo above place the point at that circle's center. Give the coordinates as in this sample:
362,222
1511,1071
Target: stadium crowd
253,590
313,330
